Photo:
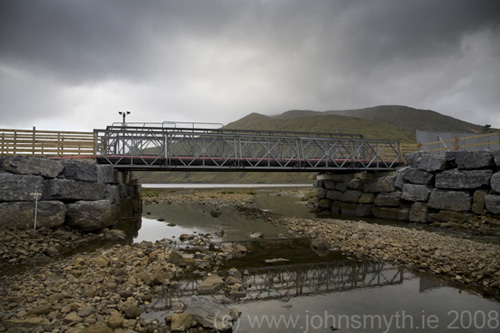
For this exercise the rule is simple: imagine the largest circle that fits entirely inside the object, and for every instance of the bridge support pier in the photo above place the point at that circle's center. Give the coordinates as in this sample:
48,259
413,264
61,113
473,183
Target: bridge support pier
78,194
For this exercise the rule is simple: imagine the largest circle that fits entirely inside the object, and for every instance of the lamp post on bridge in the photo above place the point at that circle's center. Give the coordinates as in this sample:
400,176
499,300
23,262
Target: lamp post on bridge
124,115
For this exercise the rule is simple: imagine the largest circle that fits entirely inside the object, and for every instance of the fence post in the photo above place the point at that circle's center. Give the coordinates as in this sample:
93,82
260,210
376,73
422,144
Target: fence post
33,143
456,143
94,148
15,142
59,144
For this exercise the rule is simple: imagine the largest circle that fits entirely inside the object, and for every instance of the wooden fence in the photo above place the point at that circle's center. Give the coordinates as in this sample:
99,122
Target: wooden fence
46,143
475,142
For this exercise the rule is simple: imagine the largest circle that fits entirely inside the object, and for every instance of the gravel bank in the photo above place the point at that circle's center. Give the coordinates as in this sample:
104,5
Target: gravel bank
465,261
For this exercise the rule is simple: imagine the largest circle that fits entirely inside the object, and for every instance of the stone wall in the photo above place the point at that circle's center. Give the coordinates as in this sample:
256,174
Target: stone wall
79,194
458,187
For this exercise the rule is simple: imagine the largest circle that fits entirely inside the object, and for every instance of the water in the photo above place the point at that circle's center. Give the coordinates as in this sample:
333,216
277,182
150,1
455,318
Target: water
312,292
188,218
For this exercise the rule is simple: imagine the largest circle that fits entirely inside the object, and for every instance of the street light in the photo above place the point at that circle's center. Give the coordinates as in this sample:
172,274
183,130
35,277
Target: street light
124,115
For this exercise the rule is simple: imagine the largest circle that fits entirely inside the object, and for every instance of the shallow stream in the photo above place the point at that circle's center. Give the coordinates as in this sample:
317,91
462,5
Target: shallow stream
308,291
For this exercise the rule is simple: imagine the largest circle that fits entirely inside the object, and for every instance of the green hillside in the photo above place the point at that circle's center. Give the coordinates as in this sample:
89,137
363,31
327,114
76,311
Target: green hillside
309,121
400,118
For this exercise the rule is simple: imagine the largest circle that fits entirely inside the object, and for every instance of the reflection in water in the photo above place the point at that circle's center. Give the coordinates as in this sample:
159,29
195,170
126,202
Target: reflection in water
285,281
335,293
311,293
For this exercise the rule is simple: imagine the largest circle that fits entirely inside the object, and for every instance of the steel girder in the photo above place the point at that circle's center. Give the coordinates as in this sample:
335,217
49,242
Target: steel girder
144,148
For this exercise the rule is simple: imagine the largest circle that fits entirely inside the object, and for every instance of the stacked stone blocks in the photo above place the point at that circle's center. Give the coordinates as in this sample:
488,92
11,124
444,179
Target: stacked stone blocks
79,194
430,188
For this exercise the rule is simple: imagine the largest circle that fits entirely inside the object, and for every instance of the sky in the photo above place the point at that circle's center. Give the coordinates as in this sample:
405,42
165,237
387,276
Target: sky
73,64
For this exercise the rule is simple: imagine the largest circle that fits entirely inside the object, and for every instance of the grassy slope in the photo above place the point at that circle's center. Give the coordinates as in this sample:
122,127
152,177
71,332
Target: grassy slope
402,118
323,123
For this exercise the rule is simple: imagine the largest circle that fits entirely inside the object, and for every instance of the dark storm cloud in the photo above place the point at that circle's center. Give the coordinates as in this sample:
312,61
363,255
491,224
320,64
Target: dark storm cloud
265,56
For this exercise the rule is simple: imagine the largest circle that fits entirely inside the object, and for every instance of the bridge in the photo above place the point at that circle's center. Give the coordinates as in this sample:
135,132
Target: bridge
170,146
166,147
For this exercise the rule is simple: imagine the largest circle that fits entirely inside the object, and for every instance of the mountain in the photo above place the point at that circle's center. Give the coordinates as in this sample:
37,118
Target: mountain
391,122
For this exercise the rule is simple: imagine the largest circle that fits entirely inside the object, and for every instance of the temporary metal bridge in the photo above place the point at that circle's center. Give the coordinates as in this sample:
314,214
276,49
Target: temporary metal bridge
165,146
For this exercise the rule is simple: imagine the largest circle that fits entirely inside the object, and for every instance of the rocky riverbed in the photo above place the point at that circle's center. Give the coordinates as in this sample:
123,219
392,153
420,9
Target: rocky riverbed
111,289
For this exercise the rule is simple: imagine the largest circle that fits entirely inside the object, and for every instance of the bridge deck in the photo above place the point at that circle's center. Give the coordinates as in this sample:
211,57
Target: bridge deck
181,149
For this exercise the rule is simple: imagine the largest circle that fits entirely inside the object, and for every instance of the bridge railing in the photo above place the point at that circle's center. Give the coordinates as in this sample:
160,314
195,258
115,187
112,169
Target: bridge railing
46,143
255,148
187,148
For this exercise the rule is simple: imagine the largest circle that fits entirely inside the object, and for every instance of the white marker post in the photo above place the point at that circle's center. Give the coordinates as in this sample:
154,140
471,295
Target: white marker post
36,196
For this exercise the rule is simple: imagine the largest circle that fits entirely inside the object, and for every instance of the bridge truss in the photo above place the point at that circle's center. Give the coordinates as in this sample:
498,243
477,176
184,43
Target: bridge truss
135,147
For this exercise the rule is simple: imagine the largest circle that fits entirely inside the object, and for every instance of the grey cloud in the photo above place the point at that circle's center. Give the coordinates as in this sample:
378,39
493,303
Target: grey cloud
224,55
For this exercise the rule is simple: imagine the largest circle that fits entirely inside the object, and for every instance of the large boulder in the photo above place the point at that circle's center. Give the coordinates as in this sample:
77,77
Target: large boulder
426,161
351,196
392,199
463,179
334,195
106,174
320,243
79,171
478,201
418,212
413,192
344,208
70,190
417,176
473,159
210,314
25,165
90,215
496,158
21,214
492,203
495,182
19,187
457,201
180,322
382,184
363,210
210,285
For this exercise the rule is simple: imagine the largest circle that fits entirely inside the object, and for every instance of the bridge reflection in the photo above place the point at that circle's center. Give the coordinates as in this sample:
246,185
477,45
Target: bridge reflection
291,280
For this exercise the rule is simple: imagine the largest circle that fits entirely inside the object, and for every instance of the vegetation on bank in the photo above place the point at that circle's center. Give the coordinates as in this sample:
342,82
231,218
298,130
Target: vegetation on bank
225,177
